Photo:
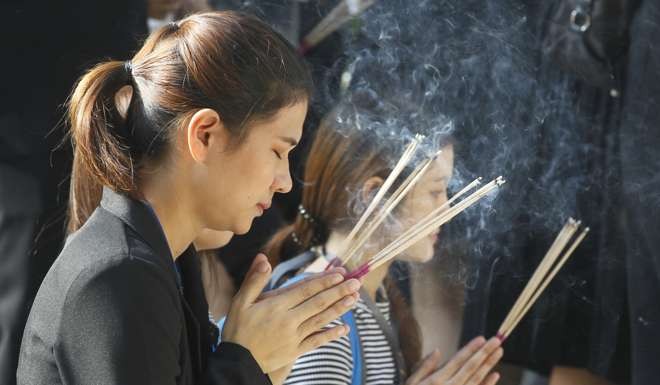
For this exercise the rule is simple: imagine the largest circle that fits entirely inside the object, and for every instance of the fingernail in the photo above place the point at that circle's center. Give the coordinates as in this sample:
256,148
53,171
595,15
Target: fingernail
263,267
354,284
336,278
348,301
338,270
345,330
496,341
479,340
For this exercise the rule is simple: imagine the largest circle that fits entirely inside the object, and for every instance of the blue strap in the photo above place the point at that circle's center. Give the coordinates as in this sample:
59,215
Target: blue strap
290,266
354,338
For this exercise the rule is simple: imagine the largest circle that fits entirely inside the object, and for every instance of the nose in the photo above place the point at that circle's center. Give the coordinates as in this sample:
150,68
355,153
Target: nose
283,182
442,199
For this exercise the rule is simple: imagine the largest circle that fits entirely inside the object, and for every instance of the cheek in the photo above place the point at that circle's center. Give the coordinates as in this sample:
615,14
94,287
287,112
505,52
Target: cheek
253,174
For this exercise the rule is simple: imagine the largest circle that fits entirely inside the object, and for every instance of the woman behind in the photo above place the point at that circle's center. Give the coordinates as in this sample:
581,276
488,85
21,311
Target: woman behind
193,133
345,166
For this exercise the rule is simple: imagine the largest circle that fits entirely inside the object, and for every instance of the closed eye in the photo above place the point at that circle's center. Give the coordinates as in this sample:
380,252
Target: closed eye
436,193
277,154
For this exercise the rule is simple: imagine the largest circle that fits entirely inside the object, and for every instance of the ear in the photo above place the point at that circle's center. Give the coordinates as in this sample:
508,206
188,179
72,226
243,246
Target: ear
205,132
123,100
370,186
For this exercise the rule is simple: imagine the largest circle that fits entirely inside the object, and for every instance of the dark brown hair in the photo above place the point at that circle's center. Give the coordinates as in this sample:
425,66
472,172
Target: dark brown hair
340,162
230,62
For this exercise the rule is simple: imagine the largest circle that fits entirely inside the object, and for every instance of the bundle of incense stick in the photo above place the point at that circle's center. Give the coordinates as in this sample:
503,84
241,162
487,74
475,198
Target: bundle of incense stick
342,13
545,272
350,246
356,238
428,225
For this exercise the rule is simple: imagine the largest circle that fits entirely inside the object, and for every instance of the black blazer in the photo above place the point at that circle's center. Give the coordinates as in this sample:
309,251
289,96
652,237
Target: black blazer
112,310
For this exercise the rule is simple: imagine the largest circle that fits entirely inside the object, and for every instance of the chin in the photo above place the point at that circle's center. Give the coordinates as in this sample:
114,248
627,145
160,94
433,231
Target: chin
419,258
417,255
242,228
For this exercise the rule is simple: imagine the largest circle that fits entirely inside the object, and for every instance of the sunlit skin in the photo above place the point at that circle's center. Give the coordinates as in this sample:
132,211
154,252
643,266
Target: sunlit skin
211,182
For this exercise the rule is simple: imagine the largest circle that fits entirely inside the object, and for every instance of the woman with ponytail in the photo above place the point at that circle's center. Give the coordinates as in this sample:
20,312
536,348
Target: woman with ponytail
346,165
190,135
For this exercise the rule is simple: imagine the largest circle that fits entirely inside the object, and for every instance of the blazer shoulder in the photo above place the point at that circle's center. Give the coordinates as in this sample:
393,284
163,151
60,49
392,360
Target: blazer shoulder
102,235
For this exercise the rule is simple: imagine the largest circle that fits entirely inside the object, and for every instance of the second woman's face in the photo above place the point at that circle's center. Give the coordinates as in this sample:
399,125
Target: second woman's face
429,193
244,179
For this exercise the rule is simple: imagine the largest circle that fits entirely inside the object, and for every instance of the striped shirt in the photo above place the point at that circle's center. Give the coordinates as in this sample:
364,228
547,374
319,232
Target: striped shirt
332,364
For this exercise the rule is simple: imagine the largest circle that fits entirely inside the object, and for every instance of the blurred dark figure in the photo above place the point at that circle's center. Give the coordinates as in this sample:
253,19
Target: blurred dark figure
46,46
601,58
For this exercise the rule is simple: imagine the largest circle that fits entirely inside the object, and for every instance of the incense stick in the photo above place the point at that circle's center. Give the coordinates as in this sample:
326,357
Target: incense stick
339,15
545,283
405,158
389,205
425,227
542,269
444,206
542,276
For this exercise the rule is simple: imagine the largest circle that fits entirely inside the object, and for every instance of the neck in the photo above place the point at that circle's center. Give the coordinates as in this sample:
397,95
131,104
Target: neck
374,279
174,212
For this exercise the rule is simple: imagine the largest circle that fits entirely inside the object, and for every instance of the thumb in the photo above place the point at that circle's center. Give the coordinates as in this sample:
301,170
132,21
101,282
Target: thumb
255,281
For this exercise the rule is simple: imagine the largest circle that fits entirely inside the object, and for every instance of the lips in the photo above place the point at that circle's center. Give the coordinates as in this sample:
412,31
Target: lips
263,206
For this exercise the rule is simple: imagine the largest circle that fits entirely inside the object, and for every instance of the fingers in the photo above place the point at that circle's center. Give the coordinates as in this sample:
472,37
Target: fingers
287,289
319,339
308,289
476,361
461,357
320,320
492,379
486,367
428,366
325,299
255,281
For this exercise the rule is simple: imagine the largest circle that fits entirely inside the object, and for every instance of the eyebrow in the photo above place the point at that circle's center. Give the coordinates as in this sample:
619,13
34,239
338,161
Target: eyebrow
289,140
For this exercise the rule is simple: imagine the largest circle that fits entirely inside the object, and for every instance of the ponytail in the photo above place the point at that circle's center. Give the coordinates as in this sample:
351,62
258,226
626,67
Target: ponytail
98,131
